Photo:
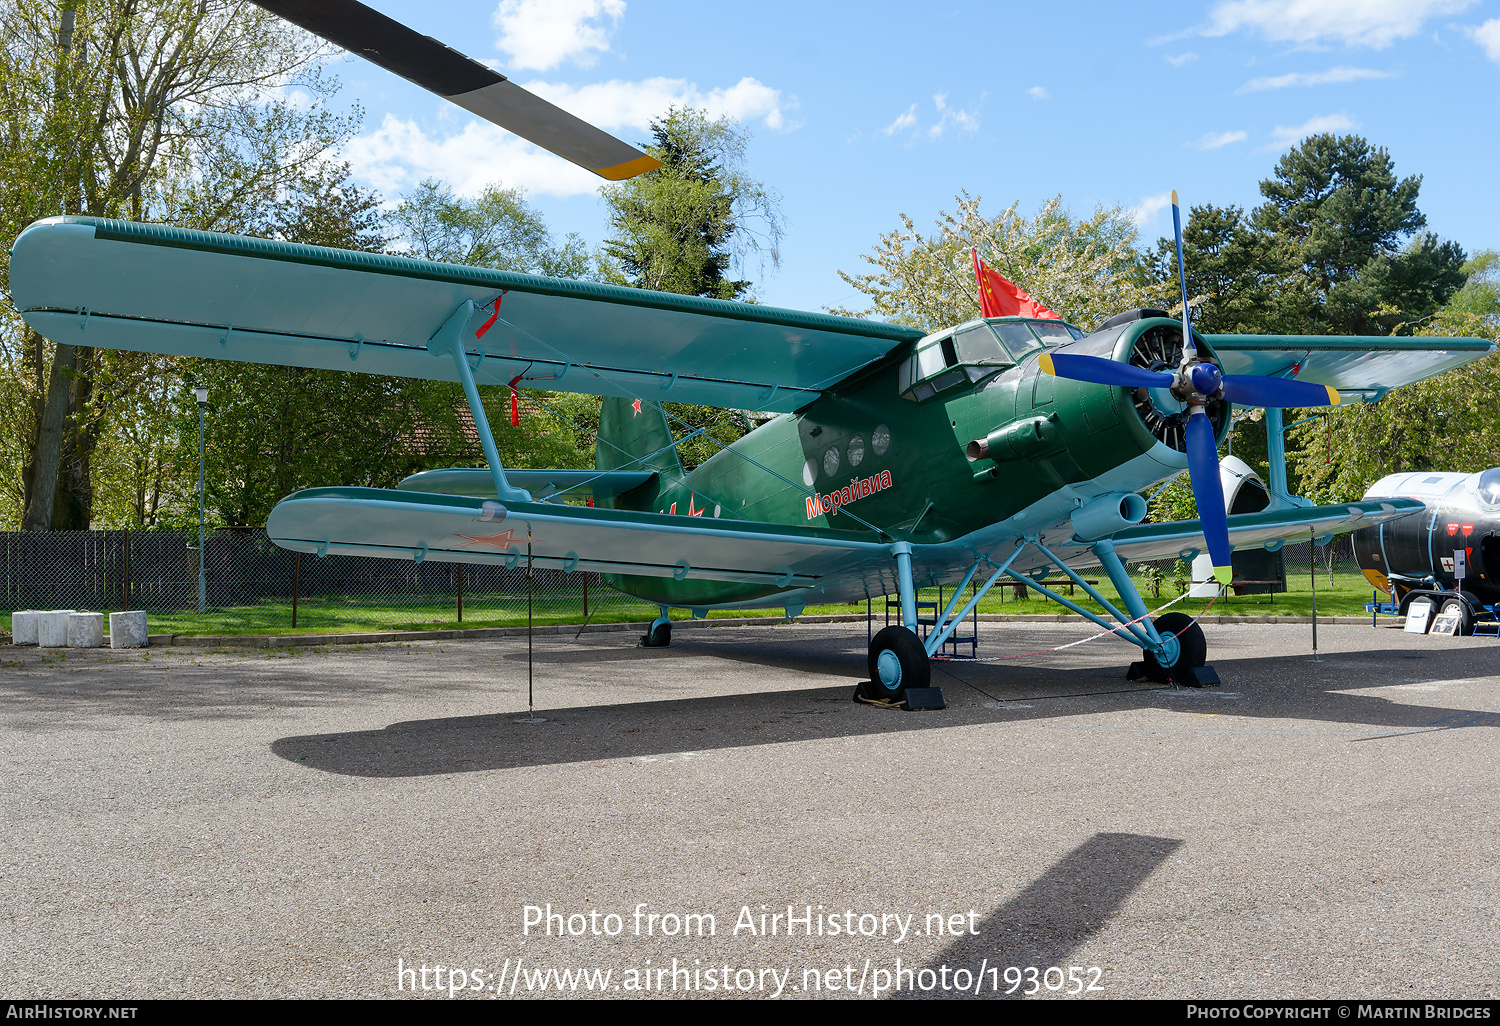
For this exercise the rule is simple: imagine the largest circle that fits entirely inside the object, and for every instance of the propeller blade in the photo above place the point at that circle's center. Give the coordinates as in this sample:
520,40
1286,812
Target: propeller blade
1102,371
1189,348
1253,390
442,70
1203,469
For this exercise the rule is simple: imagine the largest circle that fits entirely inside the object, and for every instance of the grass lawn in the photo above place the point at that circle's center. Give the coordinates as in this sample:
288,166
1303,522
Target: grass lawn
1346,596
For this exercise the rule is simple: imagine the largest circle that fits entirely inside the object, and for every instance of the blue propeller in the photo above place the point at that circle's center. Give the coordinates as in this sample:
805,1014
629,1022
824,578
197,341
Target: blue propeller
1194,382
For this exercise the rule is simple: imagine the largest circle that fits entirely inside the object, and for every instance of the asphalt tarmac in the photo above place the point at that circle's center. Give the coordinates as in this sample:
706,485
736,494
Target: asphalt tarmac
342,822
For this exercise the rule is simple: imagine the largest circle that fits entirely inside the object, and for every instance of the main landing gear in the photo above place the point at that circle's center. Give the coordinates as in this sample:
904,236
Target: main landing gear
1173,648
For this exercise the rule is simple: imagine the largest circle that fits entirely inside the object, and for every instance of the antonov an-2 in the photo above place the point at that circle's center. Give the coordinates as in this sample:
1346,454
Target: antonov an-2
999,447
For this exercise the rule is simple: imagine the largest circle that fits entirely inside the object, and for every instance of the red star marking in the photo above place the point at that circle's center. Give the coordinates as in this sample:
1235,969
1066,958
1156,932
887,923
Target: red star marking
694,512
673,510
502,541
636,406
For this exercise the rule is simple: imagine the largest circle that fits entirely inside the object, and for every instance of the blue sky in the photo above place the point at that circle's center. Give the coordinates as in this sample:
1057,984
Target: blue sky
860,112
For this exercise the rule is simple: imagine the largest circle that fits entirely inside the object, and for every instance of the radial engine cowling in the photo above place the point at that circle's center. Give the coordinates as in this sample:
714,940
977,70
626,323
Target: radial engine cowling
1107,514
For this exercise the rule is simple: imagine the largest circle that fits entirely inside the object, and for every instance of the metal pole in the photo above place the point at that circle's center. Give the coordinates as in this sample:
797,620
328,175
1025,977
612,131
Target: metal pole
1312,569
296,584
202,564
460,592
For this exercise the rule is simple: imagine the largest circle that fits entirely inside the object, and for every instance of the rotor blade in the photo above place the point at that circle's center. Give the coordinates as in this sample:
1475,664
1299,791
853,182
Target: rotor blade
1203,468
1102,371
442,70
1188,348
1254,390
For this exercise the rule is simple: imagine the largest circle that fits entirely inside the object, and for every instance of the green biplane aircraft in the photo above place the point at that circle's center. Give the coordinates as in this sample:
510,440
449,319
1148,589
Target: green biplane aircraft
1001,447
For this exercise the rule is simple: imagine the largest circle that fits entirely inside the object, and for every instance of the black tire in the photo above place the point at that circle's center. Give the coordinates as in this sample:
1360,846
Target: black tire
1191,643
909,665
661,637
1464,613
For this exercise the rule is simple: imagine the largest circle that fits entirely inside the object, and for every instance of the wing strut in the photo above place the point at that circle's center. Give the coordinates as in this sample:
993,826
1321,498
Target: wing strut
451,337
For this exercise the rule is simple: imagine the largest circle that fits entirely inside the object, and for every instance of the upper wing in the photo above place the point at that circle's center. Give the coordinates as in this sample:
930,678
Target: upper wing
1183,538
149,288
1372,364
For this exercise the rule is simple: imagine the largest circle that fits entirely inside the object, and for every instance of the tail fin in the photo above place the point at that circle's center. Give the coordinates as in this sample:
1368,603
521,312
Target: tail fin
635,435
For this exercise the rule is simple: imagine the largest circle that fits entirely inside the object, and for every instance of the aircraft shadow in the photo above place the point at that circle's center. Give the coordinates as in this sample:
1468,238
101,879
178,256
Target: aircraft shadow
676,726
1043,925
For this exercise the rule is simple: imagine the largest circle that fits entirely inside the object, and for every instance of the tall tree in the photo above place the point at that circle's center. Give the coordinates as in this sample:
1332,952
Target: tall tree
1337,248
1085,269
687,225
175,109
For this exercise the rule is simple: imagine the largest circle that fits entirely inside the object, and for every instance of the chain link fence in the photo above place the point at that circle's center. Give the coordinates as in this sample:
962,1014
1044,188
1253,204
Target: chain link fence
255,586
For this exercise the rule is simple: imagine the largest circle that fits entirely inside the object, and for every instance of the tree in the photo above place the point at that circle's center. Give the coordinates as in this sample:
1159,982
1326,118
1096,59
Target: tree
499,230
1086,270
683,227
1450,422
179,110
1338,248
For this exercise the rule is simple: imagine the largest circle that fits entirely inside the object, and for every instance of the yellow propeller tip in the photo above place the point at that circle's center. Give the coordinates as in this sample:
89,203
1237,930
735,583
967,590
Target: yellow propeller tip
1224,574
1174,197
1045,363
1333,396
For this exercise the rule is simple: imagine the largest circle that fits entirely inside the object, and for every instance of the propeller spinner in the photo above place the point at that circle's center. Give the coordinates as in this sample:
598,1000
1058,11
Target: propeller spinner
480,90
1195,381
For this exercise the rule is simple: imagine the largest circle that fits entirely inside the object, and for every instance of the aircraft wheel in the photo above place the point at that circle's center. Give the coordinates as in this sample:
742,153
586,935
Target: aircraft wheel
1465,616
1192,647
660,637
897,661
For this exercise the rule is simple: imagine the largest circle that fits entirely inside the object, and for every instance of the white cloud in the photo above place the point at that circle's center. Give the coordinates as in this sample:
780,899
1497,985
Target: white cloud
902,123
1146,209
541,34
1282,137
1488,36
1332,75
399,154
1180,59
1373,23
620,105
1037,93
964,120
1213,140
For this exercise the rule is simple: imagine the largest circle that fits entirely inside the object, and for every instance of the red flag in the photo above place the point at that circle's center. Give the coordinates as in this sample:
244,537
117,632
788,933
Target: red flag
1000,298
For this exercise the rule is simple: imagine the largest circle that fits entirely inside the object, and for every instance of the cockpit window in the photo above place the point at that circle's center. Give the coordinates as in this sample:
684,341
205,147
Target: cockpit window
1017,337
1052,332
1489,487
978,344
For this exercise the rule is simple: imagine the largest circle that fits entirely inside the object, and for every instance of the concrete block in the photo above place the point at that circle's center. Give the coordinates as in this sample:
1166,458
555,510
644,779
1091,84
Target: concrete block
85,630
23,627
52,628
128,630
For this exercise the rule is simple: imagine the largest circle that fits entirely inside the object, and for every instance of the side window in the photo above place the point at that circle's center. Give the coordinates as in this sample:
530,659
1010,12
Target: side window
933,359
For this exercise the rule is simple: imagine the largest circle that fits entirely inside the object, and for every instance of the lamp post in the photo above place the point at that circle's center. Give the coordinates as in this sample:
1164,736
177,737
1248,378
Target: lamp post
201,393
